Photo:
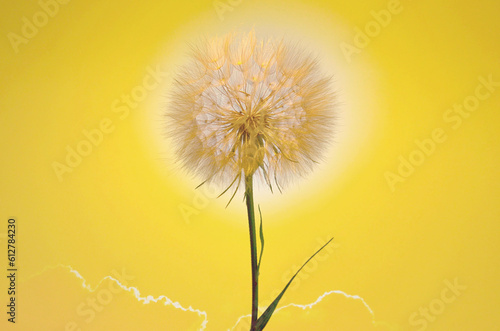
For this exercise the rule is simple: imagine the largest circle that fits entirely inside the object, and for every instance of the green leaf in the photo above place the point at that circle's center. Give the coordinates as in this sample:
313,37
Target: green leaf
261,240
266,316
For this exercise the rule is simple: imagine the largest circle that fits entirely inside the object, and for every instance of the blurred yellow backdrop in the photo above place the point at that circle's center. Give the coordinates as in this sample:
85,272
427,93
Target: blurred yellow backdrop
108,222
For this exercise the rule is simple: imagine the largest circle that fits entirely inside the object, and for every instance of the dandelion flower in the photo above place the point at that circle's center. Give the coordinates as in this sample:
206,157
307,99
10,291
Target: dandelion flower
244,106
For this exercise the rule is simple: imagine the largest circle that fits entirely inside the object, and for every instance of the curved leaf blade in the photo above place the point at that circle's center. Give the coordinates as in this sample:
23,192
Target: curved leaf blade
266,316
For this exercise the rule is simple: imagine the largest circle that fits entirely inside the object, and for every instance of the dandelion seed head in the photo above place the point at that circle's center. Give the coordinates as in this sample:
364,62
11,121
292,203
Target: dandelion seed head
245,106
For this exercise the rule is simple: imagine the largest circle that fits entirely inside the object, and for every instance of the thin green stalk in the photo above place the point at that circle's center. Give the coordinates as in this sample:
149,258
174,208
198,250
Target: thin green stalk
253,249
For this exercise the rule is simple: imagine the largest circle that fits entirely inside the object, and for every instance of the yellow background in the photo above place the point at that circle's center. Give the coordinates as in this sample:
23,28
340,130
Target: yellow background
124,207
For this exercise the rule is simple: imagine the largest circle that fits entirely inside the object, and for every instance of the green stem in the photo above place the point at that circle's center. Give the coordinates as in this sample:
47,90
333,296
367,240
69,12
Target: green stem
253,249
